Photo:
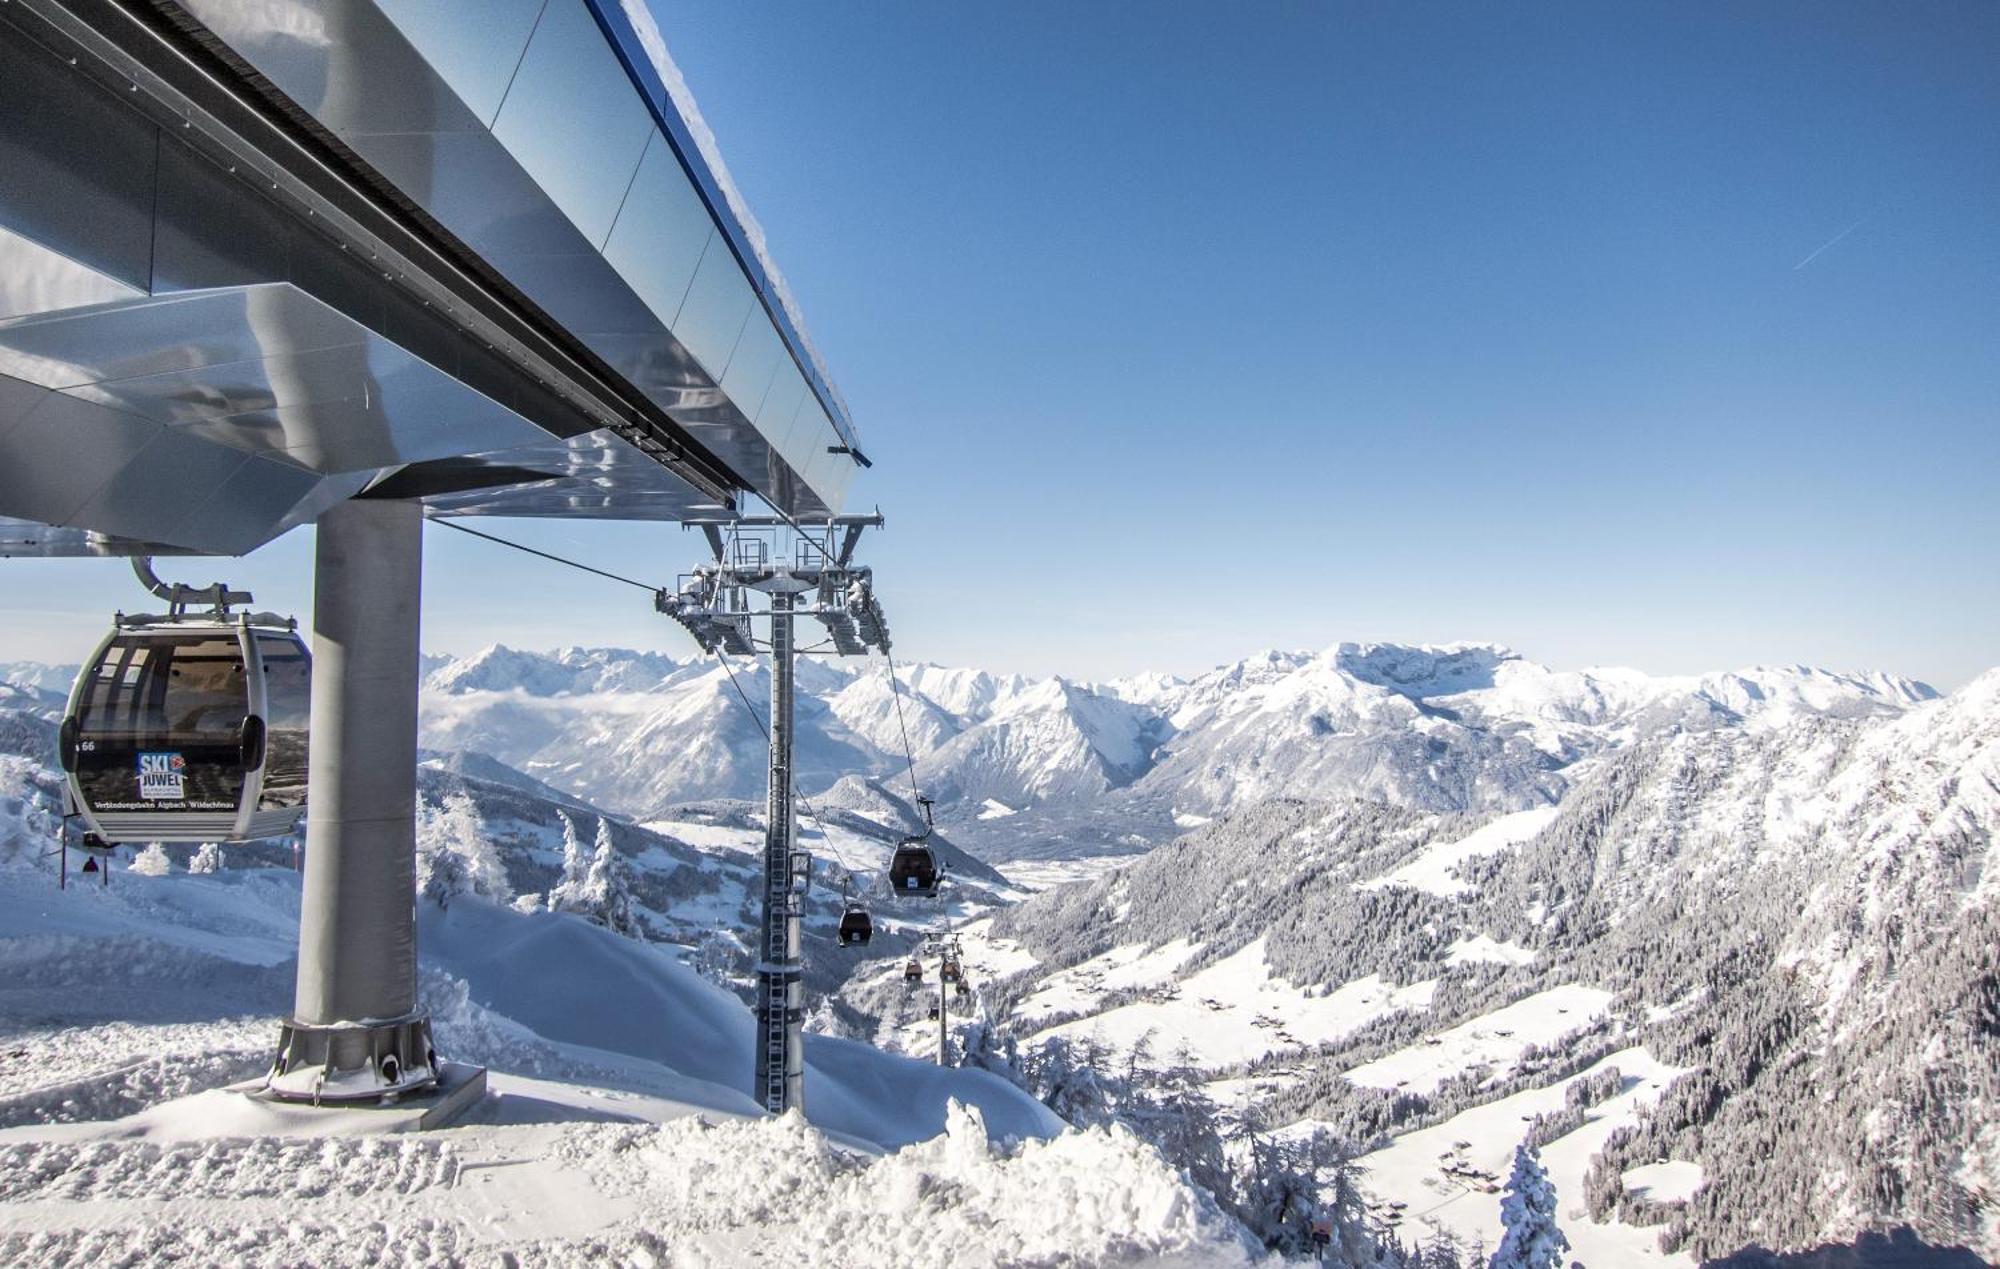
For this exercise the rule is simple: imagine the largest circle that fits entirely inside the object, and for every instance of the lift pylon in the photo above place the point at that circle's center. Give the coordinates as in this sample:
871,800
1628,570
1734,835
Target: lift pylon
814,578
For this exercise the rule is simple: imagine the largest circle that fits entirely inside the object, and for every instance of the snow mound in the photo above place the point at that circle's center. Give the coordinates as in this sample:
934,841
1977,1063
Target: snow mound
578,984
1084,1198
685,1193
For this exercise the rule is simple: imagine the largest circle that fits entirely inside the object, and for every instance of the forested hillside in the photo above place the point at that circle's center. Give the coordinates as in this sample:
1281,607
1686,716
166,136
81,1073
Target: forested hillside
1802,919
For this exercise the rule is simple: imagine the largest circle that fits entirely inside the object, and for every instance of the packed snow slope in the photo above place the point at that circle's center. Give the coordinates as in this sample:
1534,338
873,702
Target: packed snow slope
615,1132
196,944
1795,915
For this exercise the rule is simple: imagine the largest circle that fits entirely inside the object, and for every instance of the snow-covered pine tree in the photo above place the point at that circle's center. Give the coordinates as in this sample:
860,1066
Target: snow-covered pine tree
1174,1112
1528,1211
575,868
608,885
1065,1076
206,858
454,854
716,956
153,861
1277,1195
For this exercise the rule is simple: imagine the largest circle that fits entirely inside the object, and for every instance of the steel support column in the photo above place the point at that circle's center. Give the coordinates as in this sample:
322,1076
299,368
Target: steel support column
355,1030
780,1077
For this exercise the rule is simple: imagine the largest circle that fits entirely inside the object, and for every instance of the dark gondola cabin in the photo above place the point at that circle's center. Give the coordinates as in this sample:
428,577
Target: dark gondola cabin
913,870
190,730
913,972
856,927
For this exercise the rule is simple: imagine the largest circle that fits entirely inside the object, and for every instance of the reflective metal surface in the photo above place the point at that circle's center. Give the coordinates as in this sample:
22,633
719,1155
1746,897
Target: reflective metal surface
474,45
619,21
33,540
234,444
34,279
65,146
188,361
571,119
575,194
661,233
717,308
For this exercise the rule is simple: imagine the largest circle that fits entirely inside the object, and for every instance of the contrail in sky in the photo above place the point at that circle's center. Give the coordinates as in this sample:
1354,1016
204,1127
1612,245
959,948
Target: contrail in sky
1829,243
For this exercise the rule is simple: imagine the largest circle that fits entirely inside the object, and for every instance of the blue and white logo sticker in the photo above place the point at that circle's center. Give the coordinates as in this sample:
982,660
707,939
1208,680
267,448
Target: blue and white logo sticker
162,777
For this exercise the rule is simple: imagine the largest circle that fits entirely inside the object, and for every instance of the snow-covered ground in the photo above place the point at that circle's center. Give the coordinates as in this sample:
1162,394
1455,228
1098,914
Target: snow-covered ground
1442,1172
1435,870
552,1174
615,1130
1495,1039
1046,874
1481,948
1232,1011
1673,1181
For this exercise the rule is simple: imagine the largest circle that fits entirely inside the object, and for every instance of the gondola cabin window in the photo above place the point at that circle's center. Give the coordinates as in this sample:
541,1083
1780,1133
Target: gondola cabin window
161,725
287,700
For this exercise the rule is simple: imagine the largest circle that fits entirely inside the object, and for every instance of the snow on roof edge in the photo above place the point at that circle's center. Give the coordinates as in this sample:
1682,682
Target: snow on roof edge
681,96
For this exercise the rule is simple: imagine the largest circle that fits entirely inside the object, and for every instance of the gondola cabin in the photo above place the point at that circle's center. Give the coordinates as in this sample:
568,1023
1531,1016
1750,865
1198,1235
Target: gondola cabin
913,870
190,730
856,927
948,972
912,972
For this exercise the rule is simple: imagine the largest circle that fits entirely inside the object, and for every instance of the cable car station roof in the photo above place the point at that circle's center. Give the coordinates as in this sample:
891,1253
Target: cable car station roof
257,259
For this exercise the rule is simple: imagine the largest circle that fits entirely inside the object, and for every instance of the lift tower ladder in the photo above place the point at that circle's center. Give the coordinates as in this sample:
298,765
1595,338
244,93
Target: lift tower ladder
819,582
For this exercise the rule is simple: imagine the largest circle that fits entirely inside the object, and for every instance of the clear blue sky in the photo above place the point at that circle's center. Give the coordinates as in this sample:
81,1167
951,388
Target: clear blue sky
1665,336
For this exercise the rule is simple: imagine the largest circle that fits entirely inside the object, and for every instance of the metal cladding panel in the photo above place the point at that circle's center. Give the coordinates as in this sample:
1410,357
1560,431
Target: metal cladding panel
153,495
209,393
660,234
781,404
717,308
798,449
17,401
572,121
595,473
752,366
315,50
473,44
62,453
267,369
35,540
67,144
167,334
34,279
254,505
208,234
616,19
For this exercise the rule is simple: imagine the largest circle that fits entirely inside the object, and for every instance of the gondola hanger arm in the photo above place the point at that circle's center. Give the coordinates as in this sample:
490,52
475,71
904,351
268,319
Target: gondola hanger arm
216,595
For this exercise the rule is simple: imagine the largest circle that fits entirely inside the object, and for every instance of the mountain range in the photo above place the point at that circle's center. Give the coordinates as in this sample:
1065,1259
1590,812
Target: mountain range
1737,929
1059,767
